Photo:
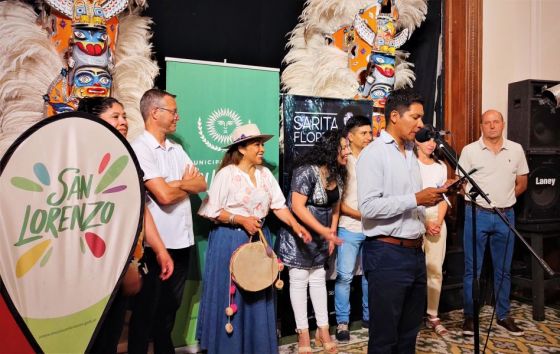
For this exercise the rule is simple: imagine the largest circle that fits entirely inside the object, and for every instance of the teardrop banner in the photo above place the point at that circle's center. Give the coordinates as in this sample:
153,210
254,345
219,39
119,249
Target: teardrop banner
71,201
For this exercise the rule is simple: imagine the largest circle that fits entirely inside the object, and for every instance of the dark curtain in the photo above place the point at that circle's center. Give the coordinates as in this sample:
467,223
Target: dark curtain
423,49
254,33
251,32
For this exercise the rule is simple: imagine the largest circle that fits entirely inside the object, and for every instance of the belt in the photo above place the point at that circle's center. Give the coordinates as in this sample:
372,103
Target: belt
490,210
403,242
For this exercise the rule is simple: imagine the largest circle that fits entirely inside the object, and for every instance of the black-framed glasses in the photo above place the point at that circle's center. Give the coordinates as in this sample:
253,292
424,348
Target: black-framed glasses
172,111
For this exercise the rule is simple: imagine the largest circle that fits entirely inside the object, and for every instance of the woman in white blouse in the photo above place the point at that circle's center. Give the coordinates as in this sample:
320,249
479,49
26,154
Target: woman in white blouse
239,198
434,174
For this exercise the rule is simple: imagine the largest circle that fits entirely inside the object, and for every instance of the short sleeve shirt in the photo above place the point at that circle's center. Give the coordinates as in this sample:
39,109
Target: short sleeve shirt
496,173
174,222
232,190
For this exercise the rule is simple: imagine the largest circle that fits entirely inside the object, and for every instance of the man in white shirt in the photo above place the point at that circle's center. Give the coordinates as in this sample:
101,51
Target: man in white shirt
359,134
501,173
169,177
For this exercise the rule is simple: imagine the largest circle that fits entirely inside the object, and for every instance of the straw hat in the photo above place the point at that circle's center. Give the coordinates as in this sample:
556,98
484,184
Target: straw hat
246,132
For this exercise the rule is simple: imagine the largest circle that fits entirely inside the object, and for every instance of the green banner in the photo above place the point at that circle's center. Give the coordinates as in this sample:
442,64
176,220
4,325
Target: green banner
213,99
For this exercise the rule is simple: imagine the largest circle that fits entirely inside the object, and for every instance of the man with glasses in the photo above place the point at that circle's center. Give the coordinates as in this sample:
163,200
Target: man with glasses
170,177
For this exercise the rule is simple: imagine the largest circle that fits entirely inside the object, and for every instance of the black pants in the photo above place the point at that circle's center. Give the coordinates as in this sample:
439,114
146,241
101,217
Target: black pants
153,312
107,339
397,296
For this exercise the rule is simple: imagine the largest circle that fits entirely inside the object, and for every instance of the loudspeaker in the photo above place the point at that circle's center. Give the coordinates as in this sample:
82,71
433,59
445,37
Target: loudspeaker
541,201
530,123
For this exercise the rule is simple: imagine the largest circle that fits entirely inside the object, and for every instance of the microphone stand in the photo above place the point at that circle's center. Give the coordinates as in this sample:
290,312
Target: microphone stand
473,194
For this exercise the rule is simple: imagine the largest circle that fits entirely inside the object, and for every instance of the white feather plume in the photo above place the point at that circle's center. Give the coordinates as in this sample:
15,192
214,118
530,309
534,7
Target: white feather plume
134,70
315,68
411,14
28,65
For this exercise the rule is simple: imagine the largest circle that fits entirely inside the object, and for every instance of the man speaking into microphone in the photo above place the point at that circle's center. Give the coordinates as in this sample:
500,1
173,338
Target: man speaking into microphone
391,201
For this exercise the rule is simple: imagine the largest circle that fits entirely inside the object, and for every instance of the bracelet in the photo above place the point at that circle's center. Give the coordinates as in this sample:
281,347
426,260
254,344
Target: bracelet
231,219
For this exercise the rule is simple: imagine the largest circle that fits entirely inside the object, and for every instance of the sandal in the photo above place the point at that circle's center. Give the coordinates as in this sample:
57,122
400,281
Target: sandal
435,324
328,346
306,347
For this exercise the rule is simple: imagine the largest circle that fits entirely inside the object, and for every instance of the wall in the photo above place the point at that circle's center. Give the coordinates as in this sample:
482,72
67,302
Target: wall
521,40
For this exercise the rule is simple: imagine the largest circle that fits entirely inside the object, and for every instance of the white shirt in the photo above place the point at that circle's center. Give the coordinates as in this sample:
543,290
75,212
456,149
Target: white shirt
496,173
174,222
433,175
232,190
350,197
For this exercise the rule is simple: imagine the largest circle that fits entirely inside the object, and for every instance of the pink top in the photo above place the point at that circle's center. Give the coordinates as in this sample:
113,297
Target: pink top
232,190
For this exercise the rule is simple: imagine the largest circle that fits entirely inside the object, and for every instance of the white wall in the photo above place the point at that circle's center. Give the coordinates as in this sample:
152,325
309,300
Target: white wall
521,40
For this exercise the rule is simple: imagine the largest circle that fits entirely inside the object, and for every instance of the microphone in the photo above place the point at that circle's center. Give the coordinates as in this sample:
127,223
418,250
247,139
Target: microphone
426,134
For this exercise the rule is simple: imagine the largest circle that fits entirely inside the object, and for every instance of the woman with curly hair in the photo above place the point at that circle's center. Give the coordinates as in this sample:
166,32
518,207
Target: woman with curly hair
315,193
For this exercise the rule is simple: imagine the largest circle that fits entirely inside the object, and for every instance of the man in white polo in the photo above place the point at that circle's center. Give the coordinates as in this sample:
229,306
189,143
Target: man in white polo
501,173
170,178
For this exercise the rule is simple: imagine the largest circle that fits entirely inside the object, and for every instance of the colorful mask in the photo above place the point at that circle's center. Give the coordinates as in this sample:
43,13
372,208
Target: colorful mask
90,40
381,80
85,32
88,13
91,81
371,43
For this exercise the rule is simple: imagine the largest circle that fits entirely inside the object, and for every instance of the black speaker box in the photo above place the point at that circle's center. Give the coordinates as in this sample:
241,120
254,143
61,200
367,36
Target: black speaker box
541,201
531,123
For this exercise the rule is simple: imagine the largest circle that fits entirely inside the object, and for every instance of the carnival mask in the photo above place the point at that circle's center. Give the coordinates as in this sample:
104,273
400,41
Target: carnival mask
91,81
92,41
88,13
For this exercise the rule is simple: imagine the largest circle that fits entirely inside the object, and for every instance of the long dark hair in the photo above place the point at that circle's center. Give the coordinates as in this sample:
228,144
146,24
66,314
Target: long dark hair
325,153
436,155
97,105
233,156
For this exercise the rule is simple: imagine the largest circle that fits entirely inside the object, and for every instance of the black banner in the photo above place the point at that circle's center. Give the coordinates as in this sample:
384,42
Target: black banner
305,119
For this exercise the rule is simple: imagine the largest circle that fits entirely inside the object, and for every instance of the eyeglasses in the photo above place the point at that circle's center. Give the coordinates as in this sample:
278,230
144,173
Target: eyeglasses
172,111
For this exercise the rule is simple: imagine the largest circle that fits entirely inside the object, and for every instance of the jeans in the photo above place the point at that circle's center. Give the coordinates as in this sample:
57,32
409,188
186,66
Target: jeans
489,227
397,296
346,256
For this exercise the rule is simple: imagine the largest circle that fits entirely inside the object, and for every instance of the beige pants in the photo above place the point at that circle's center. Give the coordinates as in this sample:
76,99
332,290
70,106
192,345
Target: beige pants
434,247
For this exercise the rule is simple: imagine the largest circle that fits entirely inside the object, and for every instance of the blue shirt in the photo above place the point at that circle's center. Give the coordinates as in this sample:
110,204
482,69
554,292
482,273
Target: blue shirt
387,182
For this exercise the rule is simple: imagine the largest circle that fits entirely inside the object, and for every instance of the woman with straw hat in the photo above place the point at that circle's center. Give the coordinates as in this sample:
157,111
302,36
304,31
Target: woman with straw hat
242,193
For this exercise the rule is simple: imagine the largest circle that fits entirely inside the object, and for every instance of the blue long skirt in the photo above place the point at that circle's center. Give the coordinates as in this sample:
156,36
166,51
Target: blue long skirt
254,324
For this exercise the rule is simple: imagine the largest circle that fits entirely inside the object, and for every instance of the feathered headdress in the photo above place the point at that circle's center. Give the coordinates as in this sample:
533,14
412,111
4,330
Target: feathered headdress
36,60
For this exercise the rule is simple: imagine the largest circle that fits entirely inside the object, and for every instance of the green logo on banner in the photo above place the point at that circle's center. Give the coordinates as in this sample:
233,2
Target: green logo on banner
75,213
219,126
214,99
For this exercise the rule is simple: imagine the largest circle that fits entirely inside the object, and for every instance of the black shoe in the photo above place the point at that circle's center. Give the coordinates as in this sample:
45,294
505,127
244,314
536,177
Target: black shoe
365,324
468,327
342,333
509,324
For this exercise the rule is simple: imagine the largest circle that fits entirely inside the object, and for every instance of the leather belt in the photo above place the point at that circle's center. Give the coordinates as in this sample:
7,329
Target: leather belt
403,242
490,210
